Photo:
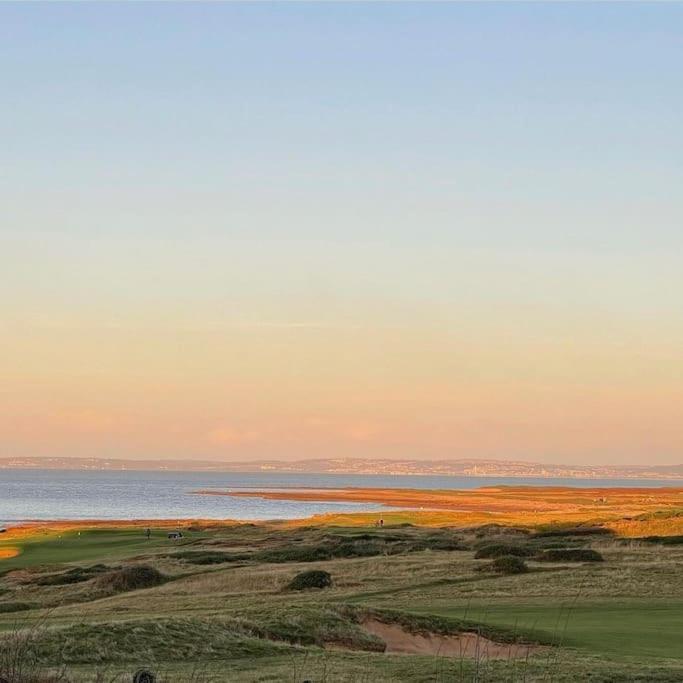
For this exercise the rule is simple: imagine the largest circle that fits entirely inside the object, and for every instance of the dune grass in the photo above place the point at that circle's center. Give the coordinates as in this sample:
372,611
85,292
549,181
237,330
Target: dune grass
238,621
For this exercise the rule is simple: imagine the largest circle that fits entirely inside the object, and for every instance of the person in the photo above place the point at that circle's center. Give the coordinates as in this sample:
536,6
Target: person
148,533
381,522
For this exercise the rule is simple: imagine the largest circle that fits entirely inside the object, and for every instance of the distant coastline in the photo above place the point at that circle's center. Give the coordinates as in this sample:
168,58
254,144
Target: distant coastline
362,466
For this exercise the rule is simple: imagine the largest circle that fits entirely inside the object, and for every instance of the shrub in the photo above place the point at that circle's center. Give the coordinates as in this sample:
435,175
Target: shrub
315,578
570,555
493,550
133,577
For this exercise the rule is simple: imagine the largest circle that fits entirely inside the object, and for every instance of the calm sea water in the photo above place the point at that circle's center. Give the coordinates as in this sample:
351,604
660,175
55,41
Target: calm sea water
61,494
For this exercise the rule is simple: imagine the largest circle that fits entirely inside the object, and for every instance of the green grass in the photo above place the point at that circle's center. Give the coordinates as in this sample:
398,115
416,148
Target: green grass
94,544
238,620
634,629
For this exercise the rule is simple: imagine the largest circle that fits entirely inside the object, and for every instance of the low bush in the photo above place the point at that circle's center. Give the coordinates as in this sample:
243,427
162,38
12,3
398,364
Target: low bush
133,577
316,578
569,555
493,550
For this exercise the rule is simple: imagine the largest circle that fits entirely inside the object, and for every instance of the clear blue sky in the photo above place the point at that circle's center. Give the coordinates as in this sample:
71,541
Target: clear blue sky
500,182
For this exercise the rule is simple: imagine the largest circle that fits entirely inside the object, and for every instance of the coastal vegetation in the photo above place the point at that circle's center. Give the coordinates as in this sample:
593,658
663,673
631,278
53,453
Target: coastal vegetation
321,600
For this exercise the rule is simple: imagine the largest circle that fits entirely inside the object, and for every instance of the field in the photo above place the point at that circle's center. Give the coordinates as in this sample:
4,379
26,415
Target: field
570,600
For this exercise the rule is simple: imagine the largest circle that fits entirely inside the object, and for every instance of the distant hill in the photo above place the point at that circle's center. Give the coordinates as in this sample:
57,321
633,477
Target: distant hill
457,467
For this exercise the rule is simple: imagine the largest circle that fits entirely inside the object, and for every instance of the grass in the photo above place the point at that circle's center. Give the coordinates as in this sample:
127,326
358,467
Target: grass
52,548
622,629
506,564
236,619
493,550
569,555
151,640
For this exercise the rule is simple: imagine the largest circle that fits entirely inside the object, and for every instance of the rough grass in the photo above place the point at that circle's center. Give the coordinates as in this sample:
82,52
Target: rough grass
197,639
314,625
664,540
207,557
569,555
506,564
130,578
151,641
493,550
624,612
9,607
74,575
333,546
560,530
18,660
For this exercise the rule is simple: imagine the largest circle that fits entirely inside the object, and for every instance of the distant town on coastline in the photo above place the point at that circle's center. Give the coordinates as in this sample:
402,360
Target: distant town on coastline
364,466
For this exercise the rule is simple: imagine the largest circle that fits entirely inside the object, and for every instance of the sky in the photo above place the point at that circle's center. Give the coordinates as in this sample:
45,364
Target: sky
389,230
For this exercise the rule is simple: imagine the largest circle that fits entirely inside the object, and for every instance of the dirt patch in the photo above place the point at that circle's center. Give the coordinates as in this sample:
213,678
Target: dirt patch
399,640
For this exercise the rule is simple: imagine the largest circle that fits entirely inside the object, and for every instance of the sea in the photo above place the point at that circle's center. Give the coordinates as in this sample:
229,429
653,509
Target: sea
28,495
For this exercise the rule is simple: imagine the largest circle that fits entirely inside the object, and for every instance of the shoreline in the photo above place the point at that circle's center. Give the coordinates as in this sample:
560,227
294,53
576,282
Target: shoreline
502,498
629,512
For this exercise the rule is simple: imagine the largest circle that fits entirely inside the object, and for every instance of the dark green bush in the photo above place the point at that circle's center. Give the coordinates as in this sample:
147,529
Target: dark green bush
316,578
133,577
493,550
570,555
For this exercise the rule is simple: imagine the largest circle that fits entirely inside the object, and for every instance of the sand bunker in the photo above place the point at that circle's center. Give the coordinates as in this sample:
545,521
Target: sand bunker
472,645
6,553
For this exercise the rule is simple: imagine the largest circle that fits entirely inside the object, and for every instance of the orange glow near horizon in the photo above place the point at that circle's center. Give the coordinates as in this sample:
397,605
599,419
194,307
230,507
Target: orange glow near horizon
371,391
